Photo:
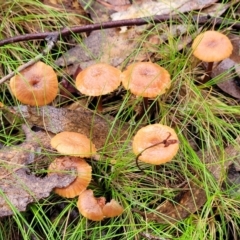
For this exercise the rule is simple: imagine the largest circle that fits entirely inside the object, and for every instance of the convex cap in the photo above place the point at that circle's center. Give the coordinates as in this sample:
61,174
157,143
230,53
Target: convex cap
146,79
36,85
74,144
98,79
212,46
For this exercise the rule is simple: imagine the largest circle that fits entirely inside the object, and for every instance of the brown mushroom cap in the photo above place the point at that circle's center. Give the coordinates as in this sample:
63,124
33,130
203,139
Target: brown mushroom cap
153,134
83,178
112,209
36,85
89,206
72,143
146,79
98,79
212,46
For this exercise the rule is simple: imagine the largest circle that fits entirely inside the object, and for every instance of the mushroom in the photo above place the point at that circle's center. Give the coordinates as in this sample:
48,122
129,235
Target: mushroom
146,79
211,46
155,144
74,144
36,85
84,175
96,209
98,79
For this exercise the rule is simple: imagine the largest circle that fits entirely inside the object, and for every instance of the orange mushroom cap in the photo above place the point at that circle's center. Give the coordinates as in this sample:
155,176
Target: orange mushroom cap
98,79
154,134
36,85
89,206
72,143
83,170
212,46
146,79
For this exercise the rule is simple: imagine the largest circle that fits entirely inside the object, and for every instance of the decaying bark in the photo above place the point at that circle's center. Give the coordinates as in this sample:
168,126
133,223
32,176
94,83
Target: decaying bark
18,187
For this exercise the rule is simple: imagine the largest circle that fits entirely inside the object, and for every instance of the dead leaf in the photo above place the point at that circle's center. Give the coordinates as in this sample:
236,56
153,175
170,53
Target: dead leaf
118,5
19,189
93,125
103,45
229,82
97,11
79,15
229,70
189,202
18,186
150,8
235,40
216,9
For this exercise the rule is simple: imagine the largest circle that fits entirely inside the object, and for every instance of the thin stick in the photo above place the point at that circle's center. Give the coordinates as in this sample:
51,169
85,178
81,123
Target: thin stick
51,41
166,143
120,23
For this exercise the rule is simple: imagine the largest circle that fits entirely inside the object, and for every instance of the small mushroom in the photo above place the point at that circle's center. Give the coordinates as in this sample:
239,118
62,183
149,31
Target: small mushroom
97,80
96,209
74,144
146,79
155,144
84,175
36,85
211,46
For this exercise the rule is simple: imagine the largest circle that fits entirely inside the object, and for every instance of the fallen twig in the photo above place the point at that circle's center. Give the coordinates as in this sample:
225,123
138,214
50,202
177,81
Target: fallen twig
112,24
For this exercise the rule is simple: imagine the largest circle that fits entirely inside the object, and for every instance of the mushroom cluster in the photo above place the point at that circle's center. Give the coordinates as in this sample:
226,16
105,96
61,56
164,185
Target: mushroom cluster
154,144
76,146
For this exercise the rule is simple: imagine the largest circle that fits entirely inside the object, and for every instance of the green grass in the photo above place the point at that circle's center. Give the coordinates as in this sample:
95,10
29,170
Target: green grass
205,119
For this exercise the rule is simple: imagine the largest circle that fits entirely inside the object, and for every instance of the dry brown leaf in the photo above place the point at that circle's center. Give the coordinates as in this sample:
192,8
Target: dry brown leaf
71,7
189,201
18,186
21,188
106,46
117,5
229,70
94,126
150,8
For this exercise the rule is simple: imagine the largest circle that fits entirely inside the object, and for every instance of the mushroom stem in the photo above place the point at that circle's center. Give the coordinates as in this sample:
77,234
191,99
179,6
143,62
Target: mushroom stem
143,109
99,104
166,143
208,73
145,104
